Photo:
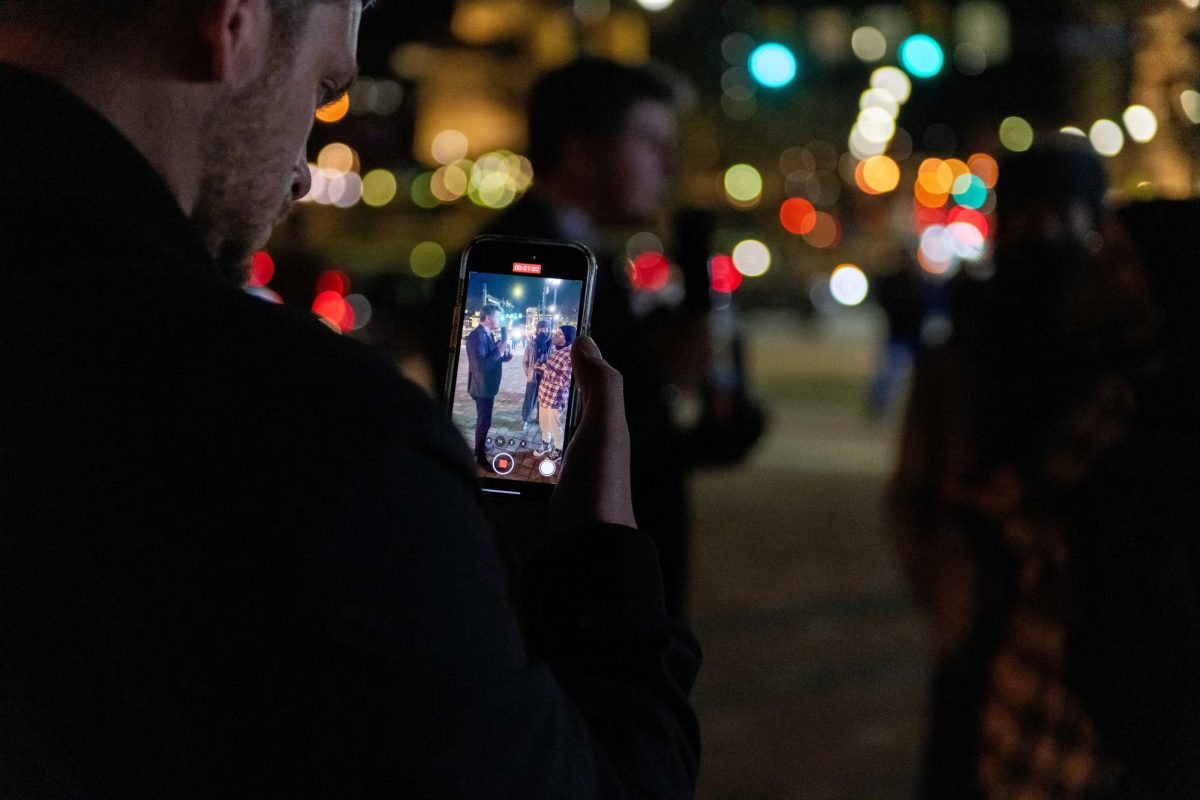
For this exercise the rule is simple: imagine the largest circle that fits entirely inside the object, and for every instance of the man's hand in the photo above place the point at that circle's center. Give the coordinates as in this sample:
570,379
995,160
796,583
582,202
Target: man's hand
594,486
503,349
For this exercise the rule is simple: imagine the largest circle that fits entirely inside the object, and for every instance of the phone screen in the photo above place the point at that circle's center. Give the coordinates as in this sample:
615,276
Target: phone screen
512,384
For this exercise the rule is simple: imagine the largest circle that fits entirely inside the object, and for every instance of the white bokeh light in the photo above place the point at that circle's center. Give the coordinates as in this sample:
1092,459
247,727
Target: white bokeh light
848,285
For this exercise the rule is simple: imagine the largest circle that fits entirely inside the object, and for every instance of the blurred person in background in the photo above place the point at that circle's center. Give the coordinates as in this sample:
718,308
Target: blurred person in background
1020,523
603,144
239,555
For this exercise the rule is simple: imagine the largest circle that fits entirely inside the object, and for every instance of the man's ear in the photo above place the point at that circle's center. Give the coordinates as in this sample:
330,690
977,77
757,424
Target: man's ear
233,41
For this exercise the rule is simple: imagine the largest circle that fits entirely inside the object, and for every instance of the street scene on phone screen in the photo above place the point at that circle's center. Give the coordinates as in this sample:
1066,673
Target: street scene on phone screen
514,371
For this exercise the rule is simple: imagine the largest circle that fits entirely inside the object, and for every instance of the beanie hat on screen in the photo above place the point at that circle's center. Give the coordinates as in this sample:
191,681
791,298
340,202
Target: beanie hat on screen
568,332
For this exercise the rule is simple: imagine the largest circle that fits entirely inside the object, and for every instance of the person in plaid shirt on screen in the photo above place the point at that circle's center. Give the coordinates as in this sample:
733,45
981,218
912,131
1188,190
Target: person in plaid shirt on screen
552,394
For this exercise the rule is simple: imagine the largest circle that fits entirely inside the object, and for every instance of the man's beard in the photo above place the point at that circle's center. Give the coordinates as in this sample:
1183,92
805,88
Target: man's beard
238,197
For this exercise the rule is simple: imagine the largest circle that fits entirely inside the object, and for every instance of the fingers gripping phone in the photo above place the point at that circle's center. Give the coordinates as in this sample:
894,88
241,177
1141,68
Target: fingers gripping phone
521,304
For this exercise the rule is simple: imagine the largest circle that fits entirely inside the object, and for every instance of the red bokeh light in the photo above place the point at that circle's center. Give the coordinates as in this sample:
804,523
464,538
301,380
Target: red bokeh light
334,280
333,307
650,272
798,216
971,217
262,269
725,276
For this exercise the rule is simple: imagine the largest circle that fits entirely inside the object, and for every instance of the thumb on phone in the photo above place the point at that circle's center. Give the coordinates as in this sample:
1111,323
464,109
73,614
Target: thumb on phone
594,485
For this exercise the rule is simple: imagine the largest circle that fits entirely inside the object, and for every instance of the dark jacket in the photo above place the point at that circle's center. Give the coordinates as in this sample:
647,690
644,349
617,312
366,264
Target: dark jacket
241,557
485,364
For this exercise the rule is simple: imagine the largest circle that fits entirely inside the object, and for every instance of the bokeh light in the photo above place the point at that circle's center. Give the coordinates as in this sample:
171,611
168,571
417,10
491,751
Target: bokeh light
880,98
935,176
878,174
971,217
650,271
449,183
349,192
966,240
1141,123
1016,134
797,215
970,59
848,285
427,259
894,81
262,269
876,124
449,146
379,188
743,185
1190,101
643,242
333,307
1106,137
337,159
725,275
655,5
773,65
969,191
826,232
333,280
986,168
360,309
335,111
868,43
421,191
752,258
922,56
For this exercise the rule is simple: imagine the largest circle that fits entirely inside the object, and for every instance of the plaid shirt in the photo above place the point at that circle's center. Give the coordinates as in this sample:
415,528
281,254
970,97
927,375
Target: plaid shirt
556,379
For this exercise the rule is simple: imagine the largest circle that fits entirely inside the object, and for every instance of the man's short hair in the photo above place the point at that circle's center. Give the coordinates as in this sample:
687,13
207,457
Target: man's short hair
488,310
589,98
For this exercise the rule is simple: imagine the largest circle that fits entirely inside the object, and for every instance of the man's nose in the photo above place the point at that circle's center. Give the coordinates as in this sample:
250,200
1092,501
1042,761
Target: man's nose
301,178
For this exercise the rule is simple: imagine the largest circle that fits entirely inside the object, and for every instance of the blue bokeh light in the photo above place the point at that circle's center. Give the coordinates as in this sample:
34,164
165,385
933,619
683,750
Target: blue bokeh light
922,56
773,65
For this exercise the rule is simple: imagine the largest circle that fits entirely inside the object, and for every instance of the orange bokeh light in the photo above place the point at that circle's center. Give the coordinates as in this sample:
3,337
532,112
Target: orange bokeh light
936,177
826,232
879,174
797,215
928,198
335,110
986,168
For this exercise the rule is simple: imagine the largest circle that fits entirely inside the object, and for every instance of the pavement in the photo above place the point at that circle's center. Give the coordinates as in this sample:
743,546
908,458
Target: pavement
506,435
815,672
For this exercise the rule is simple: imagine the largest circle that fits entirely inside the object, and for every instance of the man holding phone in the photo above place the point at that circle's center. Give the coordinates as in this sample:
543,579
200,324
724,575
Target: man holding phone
485,359
197,601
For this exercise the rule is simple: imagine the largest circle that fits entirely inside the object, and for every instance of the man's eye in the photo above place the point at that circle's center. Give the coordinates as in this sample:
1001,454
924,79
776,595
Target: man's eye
329,98
335,109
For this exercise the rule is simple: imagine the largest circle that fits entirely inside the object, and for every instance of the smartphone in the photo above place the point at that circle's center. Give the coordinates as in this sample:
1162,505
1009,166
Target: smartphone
521,304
